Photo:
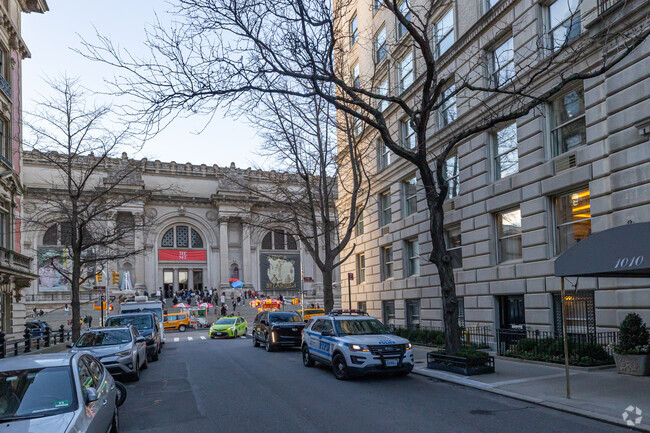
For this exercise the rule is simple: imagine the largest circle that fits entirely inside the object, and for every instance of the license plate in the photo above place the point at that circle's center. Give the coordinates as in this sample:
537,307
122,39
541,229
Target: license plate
219,333
294,329
391,363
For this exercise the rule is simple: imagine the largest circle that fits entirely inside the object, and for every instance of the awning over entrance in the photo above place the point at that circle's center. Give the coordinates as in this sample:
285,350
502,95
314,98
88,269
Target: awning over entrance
622,251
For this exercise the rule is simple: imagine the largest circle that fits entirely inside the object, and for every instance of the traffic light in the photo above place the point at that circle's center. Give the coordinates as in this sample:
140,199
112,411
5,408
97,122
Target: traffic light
116,278
110,307
98,277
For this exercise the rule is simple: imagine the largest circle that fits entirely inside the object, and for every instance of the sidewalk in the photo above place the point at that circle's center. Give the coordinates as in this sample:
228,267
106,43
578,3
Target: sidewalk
599,394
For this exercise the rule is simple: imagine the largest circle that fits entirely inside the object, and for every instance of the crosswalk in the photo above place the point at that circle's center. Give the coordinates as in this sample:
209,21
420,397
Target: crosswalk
188,338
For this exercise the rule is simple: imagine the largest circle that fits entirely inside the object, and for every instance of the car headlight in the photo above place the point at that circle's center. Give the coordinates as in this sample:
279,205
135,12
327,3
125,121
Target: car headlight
358,348
123,353
408,346
232,328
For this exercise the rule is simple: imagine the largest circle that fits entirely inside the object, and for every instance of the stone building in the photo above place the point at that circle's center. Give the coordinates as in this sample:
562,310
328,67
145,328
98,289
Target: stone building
520,194
15,272
194,233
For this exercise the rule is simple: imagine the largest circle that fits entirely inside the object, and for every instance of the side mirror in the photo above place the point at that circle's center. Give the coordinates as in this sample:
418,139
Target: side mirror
91,395
306,320
326,334
391,329
140,339
69,345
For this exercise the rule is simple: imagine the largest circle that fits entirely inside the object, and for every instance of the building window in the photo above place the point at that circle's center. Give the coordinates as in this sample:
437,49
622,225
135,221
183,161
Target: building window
359,229
407,134
385,212
572,219
383,91
380,44
361,305
279,240
448,107
5,225
581,313
569,129
444,33
388,312
452,174
409,187
489,4
454,245
361,268
413,313
386,262
5,142
412,258
461,312
509,235
357,128
405,9
179,237
503,63
356,80
384,155
354,30
564,22
506,157
377,4
405,71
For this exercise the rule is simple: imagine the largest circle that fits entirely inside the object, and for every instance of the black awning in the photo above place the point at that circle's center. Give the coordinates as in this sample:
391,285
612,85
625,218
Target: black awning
622,251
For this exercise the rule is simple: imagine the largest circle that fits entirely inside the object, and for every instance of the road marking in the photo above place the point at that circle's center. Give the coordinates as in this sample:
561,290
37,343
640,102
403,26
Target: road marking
202,338
243,337
176,339
189,339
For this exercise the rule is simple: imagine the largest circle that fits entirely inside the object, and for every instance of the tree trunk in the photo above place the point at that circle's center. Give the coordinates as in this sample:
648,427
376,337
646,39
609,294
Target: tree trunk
328,295
76,305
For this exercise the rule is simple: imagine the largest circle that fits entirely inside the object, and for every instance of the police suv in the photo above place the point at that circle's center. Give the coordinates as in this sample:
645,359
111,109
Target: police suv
353,343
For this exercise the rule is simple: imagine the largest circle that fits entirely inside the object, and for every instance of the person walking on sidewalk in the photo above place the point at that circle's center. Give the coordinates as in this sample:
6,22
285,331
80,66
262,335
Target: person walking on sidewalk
223,309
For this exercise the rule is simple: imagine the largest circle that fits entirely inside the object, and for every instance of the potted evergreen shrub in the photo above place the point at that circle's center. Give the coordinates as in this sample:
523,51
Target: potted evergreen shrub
632,353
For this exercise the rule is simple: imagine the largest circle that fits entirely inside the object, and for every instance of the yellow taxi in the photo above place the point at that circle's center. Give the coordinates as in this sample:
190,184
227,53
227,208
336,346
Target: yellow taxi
180,321
308,313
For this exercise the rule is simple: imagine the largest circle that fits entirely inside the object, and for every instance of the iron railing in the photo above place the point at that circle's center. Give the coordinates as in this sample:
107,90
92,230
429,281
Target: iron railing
584,349
61,297
28,343
605,5
477,336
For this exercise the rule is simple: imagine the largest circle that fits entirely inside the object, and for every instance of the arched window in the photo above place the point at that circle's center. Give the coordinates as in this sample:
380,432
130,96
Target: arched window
181,236
60,234
279,240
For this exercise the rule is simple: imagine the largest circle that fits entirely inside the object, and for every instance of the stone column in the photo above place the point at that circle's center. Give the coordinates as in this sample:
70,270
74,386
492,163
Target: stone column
246,255
223,252
139,258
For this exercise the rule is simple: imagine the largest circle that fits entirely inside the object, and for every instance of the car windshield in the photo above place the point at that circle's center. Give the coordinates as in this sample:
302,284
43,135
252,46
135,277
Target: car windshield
157,311
141,322
359,327
36,393
284,317
104,338
225,322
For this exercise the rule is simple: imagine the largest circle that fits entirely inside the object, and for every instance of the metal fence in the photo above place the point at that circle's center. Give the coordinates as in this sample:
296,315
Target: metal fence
584,349
28,343
605,5
478,337
61,297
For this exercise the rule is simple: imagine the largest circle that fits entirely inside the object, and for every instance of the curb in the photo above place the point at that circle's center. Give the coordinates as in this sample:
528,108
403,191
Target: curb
447,377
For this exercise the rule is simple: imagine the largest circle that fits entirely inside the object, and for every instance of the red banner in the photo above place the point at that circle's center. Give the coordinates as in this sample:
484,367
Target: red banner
182,255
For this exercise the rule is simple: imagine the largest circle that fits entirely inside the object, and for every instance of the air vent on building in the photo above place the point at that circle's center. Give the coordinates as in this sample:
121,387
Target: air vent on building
384,230
448,206
565,162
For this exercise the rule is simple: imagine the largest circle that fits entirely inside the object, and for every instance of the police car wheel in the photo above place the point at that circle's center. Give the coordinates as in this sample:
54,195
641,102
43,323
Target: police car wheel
306,359
339,367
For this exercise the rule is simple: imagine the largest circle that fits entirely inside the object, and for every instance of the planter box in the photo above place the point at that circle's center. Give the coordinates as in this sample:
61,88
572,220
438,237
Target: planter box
460,364
636,365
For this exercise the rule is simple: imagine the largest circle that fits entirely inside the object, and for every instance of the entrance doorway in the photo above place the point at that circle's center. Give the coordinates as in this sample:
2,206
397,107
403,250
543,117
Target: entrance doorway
197,279
168,283
512,312
182,279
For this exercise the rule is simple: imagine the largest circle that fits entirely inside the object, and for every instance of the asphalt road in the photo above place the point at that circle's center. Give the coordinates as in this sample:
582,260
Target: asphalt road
208,385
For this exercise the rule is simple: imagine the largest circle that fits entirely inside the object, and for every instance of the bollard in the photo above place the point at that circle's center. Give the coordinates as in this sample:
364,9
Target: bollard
47,333
3,345
61,333
28,340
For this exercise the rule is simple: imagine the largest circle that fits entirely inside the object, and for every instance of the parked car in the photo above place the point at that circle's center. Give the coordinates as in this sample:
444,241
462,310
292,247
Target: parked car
37,327
277,329
62,392
121,349
308,313
147,325
180,321
353,343
228,327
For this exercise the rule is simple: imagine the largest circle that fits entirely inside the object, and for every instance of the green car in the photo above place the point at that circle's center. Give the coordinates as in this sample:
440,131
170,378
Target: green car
228,327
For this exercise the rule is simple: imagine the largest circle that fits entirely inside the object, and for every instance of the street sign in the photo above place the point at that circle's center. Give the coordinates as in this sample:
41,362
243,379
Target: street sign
308,280
99,288
350,276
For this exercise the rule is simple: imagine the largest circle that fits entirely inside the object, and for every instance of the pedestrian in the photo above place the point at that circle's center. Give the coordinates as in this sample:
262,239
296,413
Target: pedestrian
175,300
223,298
238,300
67,309
223,309
146,293
234,305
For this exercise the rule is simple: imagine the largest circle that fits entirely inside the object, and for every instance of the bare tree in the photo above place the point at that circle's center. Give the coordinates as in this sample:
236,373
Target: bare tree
219,50
300,137
82,184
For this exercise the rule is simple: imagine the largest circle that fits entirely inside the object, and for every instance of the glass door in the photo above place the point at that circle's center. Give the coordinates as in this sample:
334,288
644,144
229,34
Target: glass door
168,283
197,279
182,279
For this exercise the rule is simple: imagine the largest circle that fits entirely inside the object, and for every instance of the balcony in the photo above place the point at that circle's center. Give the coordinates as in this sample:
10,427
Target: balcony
5,86
14,263
606,5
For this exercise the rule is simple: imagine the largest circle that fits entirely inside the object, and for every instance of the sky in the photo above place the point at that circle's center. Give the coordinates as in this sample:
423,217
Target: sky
51,37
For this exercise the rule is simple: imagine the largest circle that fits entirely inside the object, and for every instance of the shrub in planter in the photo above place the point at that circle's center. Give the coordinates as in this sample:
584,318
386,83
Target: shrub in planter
632,353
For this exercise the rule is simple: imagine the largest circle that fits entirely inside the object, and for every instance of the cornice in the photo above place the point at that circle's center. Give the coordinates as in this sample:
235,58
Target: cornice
16,41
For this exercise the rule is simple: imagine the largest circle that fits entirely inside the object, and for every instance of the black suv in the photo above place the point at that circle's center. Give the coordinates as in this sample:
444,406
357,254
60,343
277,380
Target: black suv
278,329
147,326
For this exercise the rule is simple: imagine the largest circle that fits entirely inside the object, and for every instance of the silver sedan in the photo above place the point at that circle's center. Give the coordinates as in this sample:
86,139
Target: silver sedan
62,392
